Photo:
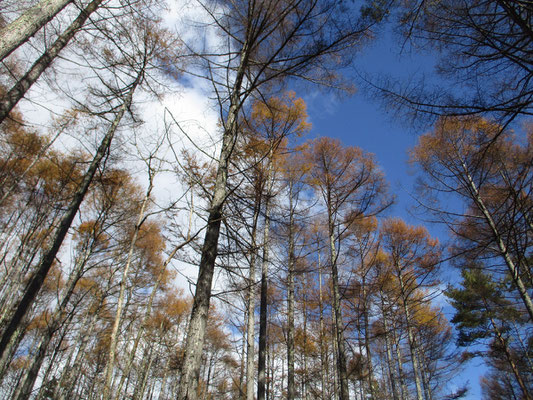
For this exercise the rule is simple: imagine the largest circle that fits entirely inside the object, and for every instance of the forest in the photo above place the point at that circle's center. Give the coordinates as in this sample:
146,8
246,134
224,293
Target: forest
173,227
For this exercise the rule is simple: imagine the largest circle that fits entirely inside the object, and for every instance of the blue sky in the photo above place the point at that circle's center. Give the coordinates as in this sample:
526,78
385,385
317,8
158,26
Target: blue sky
361,121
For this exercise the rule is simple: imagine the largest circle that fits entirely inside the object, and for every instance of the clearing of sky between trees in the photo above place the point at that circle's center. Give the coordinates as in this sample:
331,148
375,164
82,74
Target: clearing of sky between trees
174,226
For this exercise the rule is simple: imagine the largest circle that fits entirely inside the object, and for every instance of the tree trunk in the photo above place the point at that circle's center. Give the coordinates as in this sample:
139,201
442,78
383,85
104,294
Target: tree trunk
263,307
250,331
147,315
411,339
18,91
338,324
263,310
513,270
367,343
36,281
291,387
323,363
390,361
120,305
202,297
26,25
57,319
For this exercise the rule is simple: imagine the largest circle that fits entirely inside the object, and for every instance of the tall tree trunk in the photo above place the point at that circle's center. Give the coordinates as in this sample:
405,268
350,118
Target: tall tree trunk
390,361
11,98
513,270
338,325
196,332
37,279
120,305
367,343
263,307
26,25
411,339
291,387
250,331
263,310
147,314
58,317
322,338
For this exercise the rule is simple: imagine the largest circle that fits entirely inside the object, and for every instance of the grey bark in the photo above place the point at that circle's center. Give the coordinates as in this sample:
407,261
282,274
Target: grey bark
338,325
263,309
196,333
390,361
37,279
19,90
291,387
57,319
411,339
123,283
26,25
250,331
502,248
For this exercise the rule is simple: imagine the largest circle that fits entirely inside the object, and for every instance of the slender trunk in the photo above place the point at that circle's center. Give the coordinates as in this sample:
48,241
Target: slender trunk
322,339
10,99
425,379
291,388
338,324
411,339
513,270
242,393
250,331
399,361
263,307
390,361
11,350
36,281
367,344
147,314
74,372
57,319
26,25
120,305
305,375
202,297
140,388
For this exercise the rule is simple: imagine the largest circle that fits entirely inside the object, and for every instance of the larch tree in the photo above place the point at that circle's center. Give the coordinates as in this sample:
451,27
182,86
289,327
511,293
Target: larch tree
456,158
414,258
350,186
268,41
128,74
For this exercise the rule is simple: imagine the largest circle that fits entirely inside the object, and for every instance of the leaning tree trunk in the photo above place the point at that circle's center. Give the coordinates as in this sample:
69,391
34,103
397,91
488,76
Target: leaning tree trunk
196,332
36,281
26,25
504,252
57,319
17,92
